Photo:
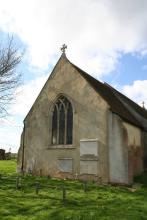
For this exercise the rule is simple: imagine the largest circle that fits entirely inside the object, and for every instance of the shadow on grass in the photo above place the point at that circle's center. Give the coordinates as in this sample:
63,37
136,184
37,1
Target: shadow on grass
98,202
77,206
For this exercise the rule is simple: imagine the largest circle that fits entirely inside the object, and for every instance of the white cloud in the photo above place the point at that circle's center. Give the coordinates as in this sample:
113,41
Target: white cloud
11,127
137,91
10,138
26,95
96,31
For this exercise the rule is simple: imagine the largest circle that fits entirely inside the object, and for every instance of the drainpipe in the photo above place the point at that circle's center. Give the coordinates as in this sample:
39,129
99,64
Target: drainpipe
23,146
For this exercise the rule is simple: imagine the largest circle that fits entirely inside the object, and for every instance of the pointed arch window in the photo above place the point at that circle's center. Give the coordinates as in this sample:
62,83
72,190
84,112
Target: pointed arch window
62,122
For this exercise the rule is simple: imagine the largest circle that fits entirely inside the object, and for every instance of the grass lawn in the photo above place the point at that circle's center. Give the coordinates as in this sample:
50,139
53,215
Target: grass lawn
98,202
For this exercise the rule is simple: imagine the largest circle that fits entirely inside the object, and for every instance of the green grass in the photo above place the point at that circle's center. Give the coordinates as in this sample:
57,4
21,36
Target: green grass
8,167
98,202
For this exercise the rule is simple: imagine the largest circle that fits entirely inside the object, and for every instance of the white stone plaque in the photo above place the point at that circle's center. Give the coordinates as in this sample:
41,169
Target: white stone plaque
65,164
88,167
89,147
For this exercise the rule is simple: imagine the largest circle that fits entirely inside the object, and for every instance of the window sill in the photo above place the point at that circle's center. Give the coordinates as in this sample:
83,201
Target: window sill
61,147
89,157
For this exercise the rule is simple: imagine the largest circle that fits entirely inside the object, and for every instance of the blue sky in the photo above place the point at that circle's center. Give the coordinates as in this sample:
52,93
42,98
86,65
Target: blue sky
130,68
106,38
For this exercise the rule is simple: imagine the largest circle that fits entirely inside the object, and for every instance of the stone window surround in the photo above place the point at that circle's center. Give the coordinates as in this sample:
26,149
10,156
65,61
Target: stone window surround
61,146
62,122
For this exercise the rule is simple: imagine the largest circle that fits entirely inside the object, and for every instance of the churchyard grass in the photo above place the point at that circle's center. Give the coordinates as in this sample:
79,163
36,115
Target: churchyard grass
41,198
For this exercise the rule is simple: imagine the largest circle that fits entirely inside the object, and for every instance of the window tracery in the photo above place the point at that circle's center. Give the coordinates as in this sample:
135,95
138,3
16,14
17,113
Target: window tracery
62,122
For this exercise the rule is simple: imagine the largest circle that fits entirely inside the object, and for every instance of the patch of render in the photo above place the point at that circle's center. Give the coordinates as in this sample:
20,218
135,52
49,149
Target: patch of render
118,155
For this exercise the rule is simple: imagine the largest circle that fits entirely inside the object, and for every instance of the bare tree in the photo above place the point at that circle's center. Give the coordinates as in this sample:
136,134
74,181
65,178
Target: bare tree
9,77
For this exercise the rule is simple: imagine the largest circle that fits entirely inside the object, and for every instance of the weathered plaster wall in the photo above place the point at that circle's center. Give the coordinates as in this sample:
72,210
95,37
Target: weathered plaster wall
135,149
118,153
20,154
134,134
89,122
125,150
144,143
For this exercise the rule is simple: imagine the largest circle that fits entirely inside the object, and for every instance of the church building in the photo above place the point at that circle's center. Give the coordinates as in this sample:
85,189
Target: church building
81,128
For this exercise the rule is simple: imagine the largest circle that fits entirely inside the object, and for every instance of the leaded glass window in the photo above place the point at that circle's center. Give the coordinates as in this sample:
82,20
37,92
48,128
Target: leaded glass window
62,122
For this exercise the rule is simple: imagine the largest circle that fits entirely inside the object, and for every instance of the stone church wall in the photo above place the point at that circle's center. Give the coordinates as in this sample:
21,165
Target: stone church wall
125,151
135,149
144,143
89,122
118,154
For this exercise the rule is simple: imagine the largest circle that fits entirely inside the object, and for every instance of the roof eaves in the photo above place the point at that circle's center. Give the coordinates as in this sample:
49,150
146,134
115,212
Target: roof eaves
95,84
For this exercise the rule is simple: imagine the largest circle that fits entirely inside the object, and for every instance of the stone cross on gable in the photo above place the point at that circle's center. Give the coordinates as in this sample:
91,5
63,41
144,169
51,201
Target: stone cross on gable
63,48
143,104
